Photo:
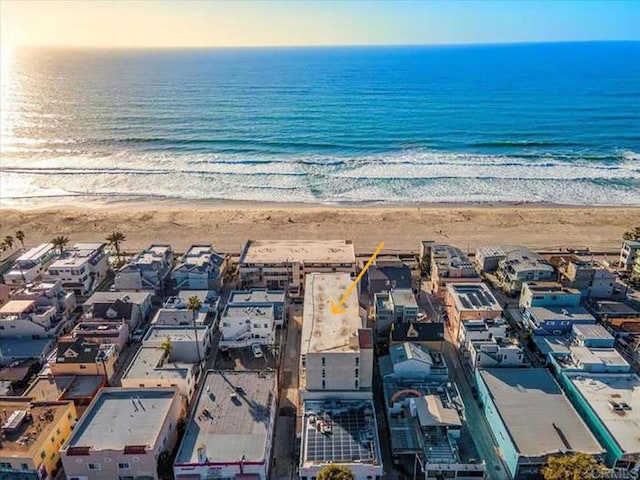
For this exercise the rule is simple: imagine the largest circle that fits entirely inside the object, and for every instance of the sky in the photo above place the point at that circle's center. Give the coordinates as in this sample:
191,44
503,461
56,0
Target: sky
140,24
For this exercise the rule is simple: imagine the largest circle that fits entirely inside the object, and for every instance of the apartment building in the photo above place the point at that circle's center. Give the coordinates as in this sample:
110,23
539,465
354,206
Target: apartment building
230,432
394,306
79,357
629,252
25,319
47,294
449,264
80,268
32,433
153,367
487,344
260,297
470,301
283,264
243,326
531,419
200,268
132,307
591,278
555,320
183,340
122,434
548,294
115,333
336,356
425,416
147,270
29,266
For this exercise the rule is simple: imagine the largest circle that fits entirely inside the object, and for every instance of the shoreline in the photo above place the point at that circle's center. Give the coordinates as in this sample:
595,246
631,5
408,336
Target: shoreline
228,225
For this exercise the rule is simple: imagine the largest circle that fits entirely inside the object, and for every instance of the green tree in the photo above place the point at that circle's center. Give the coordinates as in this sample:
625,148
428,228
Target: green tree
335,472
194,305
20,237
570,467
166,347
60,242
8,240
115,239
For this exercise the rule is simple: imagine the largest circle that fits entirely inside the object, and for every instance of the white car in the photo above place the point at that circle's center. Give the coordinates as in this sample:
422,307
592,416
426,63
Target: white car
257,351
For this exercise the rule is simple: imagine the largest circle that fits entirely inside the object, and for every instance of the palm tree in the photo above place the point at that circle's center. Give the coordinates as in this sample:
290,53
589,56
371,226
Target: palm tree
115,239
60,242
9,241
194,305
166,347
632,234
20,237
3,246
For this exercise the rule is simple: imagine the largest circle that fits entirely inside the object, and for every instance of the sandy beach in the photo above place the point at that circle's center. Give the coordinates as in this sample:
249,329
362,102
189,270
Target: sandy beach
228,226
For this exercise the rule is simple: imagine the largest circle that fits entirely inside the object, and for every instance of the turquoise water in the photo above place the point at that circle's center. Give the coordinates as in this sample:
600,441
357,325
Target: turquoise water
533,123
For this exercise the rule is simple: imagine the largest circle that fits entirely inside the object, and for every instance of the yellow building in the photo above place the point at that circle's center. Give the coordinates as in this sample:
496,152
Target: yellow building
33,433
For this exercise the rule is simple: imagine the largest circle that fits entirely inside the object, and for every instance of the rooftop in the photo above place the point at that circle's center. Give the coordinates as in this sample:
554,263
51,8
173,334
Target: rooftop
473,296
541,314
120,417
550,287
199,257
304,251
159,333
550,424
257,295
35,253
522,259
64,387
632,243
77,255
174,316
592,331
340,431
151,255
447,256
321,329
230,419
149,362
609,307
607,357
557,345
16,307
136,298
26,425
24,347
417,332
615,399
404,297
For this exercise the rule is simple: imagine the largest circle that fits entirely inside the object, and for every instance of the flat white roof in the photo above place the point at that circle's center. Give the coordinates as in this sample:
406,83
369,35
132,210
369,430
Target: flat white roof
231,418
77,255
305,251
36,253
118,417
321,329
256,295
473,296
176,334
600,390
146,364
604,356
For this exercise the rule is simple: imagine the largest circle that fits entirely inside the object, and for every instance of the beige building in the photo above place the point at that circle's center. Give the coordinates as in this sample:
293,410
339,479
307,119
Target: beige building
78,357
283,264
470,301
336,354
32,433
449,265
122,434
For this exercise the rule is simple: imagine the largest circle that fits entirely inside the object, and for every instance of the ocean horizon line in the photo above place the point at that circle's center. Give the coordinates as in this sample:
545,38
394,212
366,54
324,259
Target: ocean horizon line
320,46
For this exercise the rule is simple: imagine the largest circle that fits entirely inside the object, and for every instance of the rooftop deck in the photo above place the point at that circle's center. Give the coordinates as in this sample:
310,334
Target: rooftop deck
304,251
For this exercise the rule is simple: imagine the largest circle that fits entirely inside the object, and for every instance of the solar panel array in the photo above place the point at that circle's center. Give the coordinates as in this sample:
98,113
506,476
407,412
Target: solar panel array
351,438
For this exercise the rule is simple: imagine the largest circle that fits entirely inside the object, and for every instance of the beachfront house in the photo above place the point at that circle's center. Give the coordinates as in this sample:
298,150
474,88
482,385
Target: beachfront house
628,253
30,265
80,268
200,268
147,270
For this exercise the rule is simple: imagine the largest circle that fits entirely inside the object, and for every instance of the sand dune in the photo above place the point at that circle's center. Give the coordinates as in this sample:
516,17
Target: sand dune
228,226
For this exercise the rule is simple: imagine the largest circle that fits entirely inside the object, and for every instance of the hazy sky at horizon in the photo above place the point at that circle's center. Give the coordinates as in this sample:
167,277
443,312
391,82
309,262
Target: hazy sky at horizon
199,23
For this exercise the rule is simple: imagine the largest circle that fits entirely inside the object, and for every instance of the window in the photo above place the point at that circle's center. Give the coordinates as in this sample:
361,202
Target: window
323,384
83,367
357,361
5,465
357,372
255,325
43,454
323,361
357,384
58,431
53,439
94,466
24,466
266,326
124,466
323,373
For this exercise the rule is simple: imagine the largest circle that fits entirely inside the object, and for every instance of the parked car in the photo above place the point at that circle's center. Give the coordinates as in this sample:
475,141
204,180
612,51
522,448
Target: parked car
257,351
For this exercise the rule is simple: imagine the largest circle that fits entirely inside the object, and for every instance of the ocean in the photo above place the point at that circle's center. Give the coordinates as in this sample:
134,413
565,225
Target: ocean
555,123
